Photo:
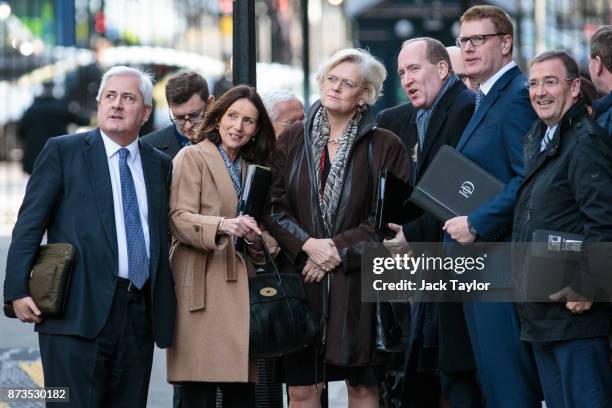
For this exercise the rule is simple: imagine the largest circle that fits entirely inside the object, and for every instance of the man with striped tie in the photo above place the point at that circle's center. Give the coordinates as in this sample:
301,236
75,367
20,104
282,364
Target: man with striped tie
106,193
567,189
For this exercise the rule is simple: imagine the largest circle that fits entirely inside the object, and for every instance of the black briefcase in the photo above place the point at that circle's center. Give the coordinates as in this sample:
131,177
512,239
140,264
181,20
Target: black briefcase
281,321
49,280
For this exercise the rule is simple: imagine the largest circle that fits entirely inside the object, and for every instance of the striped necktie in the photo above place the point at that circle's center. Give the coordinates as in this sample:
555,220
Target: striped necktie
546,139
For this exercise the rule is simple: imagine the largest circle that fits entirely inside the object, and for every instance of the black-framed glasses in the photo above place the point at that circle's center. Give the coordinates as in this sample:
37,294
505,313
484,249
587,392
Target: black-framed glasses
476,40
195,118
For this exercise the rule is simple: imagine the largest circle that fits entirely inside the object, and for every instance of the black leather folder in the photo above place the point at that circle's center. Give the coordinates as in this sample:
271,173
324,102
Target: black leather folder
253,196
392,203
552,264
453,185
252,200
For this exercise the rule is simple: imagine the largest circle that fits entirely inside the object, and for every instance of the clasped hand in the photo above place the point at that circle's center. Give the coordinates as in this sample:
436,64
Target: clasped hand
242,226
323,257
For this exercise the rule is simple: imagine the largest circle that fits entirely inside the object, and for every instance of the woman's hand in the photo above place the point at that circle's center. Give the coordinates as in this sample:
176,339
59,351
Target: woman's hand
243,226
323,253
312,273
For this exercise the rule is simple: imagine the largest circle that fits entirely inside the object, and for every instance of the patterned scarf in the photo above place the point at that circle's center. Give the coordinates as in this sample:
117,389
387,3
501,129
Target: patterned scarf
234,169
329,200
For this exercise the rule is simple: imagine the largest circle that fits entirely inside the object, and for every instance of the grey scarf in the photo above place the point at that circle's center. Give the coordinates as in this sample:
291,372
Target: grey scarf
329,200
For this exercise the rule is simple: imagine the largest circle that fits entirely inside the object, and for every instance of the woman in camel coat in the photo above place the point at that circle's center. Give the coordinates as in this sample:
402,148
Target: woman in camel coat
211,347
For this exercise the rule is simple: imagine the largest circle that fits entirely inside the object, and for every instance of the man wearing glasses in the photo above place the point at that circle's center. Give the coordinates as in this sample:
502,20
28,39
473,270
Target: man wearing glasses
492,139
187,96
568,174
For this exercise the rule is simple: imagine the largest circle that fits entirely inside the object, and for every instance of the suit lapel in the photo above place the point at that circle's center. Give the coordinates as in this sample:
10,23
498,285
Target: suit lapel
99,176
485,105
438,119
154,179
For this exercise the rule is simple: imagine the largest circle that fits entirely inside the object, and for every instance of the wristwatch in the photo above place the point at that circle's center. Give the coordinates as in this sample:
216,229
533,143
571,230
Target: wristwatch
471,228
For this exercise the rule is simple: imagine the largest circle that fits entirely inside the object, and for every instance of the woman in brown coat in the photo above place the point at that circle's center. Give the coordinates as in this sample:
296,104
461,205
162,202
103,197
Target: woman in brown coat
321,201
211,346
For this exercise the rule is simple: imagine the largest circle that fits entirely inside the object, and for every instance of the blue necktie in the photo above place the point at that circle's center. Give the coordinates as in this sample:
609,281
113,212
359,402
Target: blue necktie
479,97
138,261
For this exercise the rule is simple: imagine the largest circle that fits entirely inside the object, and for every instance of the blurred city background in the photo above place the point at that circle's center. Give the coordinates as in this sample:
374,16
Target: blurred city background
53,52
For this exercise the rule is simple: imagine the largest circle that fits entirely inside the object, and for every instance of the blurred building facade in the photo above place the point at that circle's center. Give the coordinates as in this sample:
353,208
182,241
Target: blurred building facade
43,40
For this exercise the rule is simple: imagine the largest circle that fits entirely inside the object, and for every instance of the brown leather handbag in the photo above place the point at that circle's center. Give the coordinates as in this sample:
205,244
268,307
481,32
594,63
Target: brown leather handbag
49,280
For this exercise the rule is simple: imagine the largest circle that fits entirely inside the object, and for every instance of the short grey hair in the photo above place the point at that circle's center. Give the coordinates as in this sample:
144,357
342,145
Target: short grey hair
146,81
373,72
272,98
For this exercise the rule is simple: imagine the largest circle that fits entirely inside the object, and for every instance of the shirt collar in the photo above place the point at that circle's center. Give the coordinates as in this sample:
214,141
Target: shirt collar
488,84
450,81
112,148
182,139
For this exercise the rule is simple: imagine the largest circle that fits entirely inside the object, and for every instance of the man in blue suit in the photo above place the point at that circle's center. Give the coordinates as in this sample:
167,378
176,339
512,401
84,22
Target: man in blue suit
105,193
492,139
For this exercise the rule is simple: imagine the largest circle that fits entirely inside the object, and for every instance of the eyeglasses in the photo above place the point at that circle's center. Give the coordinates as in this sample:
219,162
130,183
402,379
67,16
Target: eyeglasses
548,83
195,118
476,40
283,125
344,83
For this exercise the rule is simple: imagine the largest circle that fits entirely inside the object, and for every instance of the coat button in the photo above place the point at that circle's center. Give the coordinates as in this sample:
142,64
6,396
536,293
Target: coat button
196,228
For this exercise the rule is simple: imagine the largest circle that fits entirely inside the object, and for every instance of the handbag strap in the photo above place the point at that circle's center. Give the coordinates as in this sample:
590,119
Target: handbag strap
270,258
370,186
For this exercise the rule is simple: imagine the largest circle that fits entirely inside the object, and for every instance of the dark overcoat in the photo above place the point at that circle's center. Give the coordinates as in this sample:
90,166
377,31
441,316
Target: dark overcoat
295,217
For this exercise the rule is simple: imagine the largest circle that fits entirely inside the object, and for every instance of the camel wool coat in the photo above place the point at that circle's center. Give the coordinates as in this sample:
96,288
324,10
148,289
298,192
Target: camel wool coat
211,281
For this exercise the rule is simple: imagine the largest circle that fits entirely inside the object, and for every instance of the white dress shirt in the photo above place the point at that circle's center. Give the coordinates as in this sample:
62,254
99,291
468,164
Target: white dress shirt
488,84
135,165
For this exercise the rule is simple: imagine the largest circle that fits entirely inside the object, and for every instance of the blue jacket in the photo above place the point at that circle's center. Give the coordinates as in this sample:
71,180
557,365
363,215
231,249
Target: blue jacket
603,112
492,139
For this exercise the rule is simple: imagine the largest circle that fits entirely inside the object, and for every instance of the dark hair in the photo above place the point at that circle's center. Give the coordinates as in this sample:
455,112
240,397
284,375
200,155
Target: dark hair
600,46
435,51
263,141
588,91
570,64
183,85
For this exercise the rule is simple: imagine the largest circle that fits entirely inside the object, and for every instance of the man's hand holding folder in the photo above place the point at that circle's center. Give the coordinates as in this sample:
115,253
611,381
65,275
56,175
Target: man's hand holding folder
459,229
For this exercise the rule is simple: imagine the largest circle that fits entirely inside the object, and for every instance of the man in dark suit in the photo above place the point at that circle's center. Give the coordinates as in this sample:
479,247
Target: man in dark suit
187,96
439,109
492,139
105,193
